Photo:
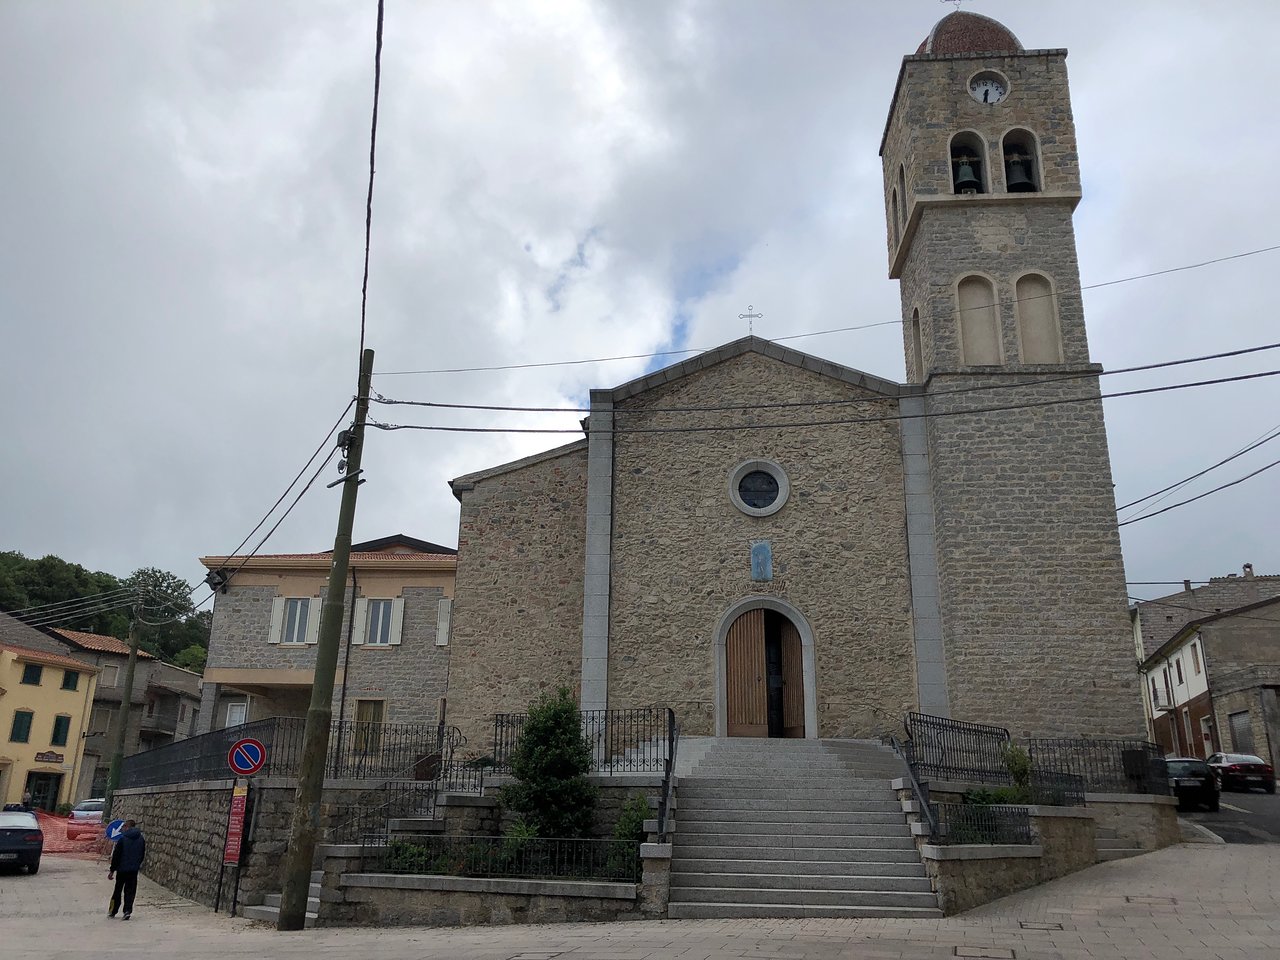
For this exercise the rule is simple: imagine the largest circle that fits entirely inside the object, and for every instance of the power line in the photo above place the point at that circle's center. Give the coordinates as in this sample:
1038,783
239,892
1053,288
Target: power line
82,608
1183,503
845,401
929,415
815,333
65,616
60,603
368,206
1181,606
1268,436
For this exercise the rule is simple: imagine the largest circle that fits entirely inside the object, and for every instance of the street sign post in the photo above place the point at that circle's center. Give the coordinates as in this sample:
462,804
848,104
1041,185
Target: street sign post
246,757
235,824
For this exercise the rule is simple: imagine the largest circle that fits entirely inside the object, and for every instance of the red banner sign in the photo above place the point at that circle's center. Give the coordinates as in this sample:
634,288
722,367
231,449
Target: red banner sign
235,824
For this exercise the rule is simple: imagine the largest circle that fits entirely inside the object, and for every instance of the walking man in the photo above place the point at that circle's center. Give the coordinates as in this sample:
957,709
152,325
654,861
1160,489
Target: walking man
126,860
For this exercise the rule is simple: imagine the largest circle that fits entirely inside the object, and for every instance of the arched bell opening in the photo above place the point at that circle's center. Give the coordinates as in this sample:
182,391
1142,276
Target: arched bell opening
968,163
1021,162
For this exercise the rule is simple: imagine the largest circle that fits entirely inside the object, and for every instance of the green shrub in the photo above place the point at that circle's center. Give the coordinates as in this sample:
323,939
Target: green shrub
1018,762
550,762
992,796
624,862
64,809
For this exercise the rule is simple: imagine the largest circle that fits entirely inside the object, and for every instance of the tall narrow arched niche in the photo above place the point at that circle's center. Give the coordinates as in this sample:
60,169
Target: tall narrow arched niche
1039,334
968,163
1021,162
979,322
897,220
902,192
917,346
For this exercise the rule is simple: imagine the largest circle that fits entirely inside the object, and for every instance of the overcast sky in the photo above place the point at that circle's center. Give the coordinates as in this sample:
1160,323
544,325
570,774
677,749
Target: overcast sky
182,235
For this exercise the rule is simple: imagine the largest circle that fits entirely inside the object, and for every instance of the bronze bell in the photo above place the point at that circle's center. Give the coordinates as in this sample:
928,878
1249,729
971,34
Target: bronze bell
966,180
1016,178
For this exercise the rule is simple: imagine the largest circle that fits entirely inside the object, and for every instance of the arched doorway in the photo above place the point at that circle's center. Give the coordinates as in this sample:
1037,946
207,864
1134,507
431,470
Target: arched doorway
764,671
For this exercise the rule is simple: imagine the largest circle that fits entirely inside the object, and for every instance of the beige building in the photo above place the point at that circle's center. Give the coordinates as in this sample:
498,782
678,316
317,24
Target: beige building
777,545
266,618
45,699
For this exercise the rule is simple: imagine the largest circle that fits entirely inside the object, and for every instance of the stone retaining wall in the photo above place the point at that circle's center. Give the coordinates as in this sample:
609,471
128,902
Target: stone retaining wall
1147,822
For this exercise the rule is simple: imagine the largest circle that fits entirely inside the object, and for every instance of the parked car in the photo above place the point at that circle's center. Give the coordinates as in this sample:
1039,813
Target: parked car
21,840
1243,771
86,818
1193,782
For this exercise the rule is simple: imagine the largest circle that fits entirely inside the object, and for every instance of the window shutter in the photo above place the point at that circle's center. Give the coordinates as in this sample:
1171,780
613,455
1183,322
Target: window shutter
444,621
361,615
313,620
277,620
397,619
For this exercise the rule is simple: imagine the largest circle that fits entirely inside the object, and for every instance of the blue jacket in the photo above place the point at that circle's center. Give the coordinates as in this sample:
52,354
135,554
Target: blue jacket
129,852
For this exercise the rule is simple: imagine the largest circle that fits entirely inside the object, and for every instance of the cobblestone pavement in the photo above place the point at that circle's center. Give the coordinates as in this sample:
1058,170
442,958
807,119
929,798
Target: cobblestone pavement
1187,902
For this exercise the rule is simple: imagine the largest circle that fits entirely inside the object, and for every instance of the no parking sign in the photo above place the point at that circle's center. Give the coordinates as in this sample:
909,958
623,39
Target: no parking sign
246,757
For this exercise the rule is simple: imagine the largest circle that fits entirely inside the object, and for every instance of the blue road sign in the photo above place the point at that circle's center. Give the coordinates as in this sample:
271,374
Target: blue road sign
246,756
114,829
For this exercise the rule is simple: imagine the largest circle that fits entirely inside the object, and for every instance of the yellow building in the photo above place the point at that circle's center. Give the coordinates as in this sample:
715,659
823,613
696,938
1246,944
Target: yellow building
45,700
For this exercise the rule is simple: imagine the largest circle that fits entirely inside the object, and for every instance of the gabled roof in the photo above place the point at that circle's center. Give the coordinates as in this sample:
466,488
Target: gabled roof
412,545
1191,626
467,481
45,657
767,348
99,643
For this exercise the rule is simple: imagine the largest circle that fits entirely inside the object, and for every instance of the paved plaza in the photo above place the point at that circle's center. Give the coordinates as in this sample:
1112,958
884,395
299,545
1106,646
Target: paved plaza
1187,902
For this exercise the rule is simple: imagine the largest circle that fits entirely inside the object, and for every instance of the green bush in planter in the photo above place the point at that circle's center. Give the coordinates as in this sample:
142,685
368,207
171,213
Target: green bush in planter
550,762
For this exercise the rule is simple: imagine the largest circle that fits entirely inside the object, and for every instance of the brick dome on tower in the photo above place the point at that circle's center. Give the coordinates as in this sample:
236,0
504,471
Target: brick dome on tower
964,32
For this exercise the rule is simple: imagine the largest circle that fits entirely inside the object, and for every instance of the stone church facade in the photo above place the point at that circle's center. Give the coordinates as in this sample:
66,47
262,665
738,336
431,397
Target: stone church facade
775,545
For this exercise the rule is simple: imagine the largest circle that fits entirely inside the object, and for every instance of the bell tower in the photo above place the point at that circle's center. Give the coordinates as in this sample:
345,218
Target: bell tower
981,180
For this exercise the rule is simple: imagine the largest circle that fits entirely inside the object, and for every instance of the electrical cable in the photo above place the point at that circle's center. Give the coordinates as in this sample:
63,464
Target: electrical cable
1212,613
928,415
77,609
1267,437
63,617
59,603
817,333
1183,503
845,401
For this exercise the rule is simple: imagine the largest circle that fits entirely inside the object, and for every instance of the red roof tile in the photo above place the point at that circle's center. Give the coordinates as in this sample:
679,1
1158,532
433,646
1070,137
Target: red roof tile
100,643
44,656
965,32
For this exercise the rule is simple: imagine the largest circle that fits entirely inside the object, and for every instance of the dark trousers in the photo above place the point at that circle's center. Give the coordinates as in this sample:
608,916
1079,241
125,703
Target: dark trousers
126,883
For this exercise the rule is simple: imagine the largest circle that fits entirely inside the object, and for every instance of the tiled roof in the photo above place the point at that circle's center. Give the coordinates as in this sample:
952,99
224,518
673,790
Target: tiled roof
100,643
965,32
44,656
361,556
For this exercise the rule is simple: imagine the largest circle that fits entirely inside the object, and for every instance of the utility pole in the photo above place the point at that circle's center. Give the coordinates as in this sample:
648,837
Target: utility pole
315,744
122,721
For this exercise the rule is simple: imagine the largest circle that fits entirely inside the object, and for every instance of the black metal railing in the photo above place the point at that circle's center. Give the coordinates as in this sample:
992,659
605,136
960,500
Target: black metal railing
622,741
368,820
666,801
513,857
1105,766
944,749
357,750
919,789
973,823
1054,788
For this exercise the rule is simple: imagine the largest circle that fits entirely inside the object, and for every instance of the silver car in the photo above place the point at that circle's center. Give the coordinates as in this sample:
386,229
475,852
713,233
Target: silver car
86,818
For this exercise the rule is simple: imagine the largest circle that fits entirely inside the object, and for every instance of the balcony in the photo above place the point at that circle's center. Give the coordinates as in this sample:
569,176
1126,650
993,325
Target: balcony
159,722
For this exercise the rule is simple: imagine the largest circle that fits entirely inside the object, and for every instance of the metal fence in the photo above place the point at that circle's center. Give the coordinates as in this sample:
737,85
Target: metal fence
943,749
1105,766
368,820
357,750
973,823
517,857
622,741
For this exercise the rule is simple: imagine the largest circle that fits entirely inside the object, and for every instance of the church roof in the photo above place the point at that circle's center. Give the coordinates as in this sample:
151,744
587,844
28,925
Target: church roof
964,32
752,345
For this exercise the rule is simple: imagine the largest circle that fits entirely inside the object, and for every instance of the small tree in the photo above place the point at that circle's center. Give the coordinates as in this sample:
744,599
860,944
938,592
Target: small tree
550,762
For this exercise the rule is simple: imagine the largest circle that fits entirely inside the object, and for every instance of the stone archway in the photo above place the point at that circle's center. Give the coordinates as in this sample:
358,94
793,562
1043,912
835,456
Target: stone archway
742,637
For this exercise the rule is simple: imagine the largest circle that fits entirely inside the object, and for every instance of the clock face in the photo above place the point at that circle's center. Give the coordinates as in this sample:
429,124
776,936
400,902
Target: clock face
988,88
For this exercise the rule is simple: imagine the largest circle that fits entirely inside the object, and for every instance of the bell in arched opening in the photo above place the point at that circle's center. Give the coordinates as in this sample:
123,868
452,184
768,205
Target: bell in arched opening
1017,172
965,174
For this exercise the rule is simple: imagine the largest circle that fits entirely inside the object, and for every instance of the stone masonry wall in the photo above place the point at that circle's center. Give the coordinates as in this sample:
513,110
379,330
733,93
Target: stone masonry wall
1032,581
517,616
1148,823
681,549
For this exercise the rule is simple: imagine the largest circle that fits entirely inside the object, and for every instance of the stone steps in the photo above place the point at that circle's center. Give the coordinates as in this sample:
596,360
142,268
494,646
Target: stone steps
1119,854
794,828
269,910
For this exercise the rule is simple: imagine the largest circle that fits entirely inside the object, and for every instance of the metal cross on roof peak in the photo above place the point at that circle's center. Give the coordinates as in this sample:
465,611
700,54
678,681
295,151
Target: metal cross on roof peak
956,2
750,318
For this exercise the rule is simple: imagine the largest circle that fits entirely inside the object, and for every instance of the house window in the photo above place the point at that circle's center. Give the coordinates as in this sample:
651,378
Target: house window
1177,665
61,728
296,612
100,718
70,679
31,673
110,676
1195,659
236,714
1155,699
379,623
182,711
1168,687
20,732
369,717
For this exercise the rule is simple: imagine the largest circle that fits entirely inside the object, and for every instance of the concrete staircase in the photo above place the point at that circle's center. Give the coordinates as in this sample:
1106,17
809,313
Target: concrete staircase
269,910
1113,847
794,828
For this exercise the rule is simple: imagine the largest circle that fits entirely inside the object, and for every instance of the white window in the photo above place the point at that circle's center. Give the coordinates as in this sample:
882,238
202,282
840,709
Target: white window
295,620
444,621
237,713
378,623
110,676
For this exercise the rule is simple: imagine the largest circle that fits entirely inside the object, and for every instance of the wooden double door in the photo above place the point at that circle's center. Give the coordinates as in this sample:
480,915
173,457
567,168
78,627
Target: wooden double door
764,671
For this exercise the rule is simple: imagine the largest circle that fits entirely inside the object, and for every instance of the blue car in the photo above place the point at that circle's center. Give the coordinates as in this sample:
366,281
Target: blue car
21,840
